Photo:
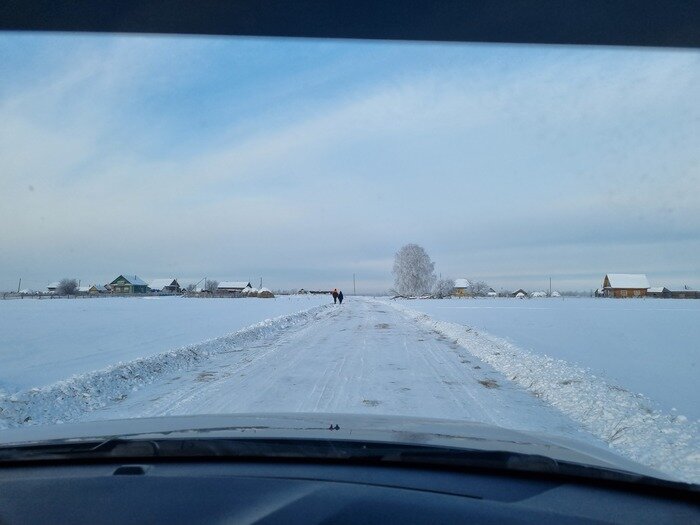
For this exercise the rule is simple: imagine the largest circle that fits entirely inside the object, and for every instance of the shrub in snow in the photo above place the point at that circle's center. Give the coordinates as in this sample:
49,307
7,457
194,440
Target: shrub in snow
443,288
478,289
67,287
414,272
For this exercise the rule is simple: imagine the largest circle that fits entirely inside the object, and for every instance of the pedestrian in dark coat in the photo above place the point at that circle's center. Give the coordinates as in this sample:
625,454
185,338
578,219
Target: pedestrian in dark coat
340,297
334,293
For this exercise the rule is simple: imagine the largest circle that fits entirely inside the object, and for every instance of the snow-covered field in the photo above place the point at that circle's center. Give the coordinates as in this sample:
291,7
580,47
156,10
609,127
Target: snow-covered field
566,367
623,352
648,346
44,341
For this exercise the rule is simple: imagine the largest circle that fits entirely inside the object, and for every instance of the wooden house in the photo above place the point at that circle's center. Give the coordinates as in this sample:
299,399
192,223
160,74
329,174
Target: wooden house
462,288
129,284
622,285
467,288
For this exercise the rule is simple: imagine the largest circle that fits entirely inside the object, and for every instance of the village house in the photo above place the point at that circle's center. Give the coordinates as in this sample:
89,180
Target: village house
51,288
467,288
462,288
623,285
519,293
129,284
93,289
168,285
232,286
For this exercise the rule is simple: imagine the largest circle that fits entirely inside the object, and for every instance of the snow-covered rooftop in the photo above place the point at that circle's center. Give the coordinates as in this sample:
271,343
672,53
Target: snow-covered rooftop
223,285
656,289
52,285
159,284
462,283
133,279
628,280
84,289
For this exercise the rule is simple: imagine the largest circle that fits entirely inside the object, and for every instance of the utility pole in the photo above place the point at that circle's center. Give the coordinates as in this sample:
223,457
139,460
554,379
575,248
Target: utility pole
354,290
19,285
550,287
261,282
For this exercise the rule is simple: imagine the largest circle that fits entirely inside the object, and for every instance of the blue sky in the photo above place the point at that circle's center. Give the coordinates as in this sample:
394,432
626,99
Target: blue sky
305,161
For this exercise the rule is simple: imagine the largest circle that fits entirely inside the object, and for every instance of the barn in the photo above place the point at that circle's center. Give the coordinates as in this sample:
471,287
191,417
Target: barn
232,286
93,289
168,285
622,285
685,294
658,291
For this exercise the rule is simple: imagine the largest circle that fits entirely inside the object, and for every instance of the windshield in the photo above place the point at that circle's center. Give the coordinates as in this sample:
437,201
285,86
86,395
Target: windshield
497,234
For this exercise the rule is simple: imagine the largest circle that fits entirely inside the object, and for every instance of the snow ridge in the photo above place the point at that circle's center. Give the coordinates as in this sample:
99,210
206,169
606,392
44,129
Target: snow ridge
627,421
69,399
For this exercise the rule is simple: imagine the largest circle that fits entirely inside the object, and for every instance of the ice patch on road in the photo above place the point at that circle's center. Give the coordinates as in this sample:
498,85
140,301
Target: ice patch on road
70,399
627,421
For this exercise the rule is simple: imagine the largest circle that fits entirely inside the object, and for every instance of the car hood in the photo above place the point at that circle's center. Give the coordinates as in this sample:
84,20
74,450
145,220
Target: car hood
339,427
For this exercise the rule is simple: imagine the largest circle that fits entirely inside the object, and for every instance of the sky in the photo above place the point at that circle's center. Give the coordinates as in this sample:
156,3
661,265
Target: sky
303,162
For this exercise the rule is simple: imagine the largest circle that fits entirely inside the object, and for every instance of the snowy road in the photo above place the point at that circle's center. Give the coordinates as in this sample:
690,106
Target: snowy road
361,357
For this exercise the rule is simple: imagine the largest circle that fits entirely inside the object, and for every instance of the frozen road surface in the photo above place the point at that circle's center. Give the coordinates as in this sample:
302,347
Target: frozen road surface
361,357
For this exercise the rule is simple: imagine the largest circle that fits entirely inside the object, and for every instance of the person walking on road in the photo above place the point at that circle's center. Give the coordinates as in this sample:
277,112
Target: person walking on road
340,296
334,293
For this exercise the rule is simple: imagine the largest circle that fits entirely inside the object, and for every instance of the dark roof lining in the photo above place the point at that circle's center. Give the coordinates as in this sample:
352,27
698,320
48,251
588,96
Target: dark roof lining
662,23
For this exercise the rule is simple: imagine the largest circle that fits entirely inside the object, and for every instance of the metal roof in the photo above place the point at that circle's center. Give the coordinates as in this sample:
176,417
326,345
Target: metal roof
133,279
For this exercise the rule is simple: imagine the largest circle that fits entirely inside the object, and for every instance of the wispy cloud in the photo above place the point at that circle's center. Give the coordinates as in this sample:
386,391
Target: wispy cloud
505,152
